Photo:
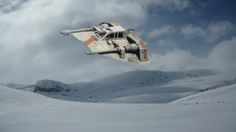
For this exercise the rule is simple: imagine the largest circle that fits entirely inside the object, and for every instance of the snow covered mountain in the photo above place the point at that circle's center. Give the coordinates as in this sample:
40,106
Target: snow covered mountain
141,78
13,85
19,86
130,87
134,87
50,86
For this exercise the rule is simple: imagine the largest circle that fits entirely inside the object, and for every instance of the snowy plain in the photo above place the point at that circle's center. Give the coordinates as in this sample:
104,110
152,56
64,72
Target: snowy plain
210,108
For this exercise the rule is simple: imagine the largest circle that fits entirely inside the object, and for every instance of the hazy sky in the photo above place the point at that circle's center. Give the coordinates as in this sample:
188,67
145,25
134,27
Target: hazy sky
182,34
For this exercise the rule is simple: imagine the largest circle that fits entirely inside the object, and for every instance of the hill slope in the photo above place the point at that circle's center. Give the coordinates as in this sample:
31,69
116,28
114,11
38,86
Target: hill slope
23,111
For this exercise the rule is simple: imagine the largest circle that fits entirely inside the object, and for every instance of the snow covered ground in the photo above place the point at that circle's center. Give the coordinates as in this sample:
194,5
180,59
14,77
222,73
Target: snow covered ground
22,111
199,102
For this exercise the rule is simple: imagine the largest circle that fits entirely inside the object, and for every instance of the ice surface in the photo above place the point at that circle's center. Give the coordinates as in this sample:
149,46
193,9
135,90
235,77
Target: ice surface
23,111
199,102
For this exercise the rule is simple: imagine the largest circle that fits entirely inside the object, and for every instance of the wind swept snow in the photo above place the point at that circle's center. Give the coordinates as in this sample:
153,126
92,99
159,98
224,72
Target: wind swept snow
23,111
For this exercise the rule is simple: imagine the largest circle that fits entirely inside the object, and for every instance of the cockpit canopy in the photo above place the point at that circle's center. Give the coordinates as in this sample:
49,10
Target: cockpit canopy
111,35
115,35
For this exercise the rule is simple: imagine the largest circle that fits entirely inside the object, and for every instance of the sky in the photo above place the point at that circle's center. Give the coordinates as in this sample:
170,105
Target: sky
182,35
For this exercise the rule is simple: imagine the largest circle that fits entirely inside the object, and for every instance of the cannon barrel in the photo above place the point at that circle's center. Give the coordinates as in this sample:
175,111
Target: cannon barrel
67,32
103,52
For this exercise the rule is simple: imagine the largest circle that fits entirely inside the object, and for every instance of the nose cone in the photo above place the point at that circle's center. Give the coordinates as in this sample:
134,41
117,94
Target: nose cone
65,32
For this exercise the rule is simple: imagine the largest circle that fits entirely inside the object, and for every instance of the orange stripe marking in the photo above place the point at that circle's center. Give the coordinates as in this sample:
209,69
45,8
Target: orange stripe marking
136,37
142,43
89,41
145,54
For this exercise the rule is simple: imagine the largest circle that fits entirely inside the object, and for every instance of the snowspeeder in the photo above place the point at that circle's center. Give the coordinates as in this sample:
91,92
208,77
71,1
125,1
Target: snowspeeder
112,40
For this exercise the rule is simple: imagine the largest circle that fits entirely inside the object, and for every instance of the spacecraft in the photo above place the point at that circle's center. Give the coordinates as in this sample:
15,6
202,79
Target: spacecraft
114,41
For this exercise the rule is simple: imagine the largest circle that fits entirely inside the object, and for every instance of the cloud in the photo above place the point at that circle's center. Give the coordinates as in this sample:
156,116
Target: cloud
220,58
189,31
31,47
216,30
158,32
10,5
175,60
212,32
171,5
163,46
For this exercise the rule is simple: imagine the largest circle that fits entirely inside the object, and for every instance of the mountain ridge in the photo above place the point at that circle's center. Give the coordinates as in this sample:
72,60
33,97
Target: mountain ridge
139,86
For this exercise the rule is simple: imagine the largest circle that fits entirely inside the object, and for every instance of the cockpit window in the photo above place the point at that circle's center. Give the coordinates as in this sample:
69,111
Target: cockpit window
120,35
112,35
115,35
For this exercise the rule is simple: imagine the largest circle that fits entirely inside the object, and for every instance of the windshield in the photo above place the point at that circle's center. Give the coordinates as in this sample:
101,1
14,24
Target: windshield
115,35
